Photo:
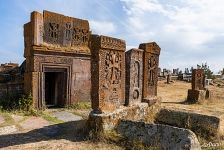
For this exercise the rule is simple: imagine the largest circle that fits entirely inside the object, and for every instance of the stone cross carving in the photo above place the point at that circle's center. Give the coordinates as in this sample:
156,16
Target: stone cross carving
108,73
198,79
134,71
150,69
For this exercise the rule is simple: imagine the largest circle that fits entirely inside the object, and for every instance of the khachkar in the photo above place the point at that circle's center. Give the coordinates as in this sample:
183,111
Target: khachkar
108,73
150,71
56,44
198,93
134,76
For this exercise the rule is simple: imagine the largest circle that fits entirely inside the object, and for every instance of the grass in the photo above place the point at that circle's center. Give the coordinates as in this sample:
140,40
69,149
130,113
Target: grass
51,119
8,119
80,105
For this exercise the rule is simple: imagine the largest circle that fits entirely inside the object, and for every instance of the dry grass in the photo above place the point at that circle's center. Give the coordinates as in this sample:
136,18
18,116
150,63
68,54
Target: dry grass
174,94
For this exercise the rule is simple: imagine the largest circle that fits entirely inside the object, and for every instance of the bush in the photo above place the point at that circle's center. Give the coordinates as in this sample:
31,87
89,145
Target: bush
25,102
16,102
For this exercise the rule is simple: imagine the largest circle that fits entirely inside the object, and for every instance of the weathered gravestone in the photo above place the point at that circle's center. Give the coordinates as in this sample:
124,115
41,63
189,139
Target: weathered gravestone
198,93
150,70
57,59
108,73
134,76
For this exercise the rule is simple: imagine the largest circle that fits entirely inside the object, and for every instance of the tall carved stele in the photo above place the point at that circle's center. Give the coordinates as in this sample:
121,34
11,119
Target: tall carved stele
150,70
108,73
134,76
57,46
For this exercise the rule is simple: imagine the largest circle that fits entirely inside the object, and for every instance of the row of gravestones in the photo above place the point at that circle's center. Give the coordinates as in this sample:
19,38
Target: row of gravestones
122,78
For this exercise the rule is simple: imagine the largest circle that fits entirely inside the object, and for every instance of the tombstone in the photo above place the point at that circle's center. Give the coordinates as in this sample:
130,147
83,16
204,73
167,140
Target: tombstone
134,76
150,69
159,72
168,79
108,70
58,59
198,93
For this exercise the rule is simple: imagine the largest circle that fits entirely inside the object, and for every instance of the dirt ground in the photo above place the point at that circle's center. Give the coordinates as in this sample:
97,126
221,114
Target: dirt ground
58,135
174,94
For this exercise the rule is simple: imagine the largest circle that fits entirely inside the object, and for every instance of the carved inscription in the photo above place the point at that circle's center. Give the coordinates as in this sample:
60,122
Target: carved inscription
65,31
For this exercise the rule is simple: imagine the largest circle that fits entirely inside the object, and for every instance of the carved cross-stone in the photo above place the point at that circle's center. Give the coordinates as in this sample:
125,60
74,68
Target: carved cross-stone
150,69
134,72
108,73
198,79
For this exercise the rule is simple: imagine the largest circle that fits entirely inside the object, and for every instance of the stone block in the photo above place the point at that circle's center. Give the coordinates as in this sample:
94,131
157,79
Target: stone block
108,73
198,96
159,136
108,121
150,69
134,76
202,124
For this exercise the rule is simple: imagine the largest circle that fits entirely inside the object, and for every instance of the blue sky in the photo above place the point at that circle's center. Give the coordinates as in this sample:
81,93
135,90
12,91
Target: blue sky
189,32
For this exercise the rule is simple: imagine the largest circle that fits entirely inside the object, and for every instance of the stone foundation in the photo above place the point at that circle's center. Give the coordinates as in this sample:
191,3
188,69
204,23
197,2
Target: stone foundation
159,136
197,96
138,112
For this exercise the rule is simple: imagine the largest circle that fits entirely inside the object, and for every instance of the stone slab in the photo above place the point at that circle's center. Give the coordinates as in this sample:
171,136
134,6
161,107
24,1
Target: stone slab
108,121
66,116
158,135
201,124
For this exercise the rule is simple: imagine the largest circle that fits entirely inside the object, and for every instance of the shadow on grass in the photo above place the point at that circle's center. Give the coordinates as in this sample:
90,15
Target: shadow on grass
72,131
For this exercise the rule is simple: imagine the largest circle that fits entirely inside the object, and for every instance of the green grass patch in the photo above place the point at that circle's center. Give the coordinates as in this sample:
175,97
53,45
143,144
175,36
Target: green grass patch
8,119
80,105
51,119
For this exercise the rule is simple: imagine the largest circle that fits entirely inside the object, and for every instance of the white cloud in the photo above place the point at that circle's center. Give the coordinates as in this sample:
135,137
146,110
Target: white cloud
102,27
184,27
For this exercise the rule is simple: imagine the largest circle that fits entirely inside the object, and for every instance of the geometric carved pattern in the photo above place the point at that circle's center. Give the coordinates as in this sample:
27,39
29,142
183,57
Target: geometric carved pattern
151,63
62,31
108,74
134,71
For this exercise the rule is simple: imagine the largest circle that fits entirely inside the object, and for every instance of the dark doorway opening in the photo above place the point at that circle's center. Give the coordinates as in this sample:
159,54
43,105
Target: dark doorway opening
55,89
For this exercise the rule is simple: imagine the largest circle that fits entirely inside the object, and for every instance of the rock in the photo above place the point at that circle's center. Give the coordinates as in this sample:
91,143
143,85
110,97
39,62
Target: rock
34,123
107,121
66,116
201,124
158,135
8,129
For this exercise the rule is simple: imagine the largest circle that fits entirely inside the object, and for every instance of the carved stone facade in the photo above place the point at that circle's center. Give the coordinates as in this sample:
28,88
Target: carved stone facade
58,59
108,70
198,93
150,70
134,76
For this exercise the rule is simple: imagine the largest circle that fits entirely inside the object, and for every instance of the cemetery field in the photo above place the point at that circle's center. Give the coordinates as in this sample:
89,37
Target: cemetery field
173,95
